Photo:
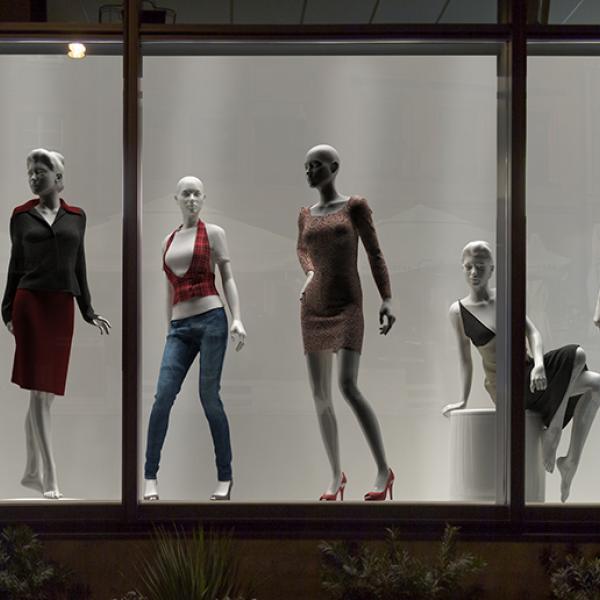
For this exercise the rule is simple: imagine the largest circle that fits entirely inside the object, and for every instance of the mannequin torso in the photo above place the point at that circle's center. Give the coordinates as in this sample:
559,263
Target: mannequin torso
179,257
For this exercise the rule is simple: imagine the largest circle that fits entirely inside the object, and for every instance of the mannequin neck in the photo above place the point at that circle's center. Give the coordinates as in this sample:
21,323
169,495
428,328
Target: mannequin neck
50,201
480,295
328,193
190,221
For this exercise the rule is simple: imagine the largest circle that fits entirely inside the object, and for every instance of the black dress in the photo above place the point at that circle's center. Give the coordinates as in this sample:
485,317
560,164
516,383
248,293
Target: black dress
558,364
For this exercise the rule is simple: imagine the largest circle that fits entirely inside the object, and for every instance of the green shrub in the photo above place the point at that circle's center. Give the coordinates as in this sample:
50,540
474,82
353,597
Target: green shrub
198,567
26,575
573,576
359,572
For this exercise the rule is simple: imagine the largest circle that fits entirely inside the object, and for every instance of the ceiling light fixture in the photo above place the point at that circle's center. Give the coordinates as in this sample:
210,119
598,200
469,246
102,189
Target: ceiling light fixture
76,50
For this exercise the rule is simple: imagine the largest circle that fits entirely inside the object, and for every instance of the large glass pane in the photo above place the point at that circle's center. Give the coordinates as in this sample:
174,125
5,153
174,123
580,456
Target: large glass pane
417,137
73,107
313,12
563,258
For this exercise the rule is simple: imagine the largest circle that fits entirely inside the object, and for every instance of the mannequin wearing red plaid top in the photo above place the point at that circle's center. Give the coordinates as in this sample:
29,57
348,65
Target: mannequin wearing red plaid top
198,325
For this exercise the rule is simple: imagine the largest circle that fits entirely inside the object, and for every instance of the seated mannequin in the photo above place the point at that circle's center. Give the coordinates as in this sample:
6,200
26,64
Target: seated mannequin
558,385
197,326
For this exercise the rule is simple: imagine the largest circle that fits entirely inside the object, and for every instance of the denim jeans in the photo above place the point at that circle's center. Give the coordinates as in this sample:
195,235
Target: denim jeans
204,334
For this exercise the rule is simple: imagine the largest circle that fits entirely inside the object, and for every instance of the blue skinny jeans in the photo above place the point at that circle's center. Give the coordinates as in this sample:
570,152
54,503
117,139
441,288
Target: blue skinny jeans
204,334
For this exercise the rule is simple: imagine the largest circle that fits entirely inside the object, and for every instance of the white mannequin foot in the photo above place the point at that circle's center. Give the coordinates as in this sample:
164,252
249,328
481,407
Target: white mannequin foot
50,486
33,481
567,472
150,489
222,491
381,480
52,495
550,440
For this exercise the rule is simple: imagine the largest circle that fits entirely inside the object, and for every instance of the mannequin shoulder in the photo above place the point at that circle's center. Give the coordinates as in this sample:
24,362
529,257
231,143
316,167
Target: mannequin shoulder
358,206
25,207
214,232
454,310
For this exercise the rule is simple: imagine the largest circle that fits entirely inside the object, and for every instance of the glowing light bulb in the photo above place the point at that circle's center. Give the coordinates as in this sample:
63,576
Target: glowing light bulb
76,50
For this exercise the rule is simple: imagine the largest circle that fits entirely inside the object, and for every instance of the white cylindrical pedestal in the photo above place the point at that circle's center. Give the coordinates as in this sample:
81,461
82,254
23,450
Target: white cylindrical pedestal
473,456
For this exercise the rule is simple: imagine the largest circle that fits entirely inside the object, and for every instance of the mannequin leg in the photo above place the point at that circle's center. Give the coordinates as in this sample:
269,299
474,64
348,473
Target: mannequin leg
348,363
552,434
588,382
32,478
213,344
178,355
39,409
319,372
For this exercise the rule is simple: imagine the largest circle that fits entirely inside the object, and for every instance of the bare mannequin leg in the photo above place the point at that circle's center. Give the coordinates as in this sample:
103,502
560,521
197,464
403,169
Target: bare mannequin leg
40,419
551,435
348,363
32,477
319,371
588,382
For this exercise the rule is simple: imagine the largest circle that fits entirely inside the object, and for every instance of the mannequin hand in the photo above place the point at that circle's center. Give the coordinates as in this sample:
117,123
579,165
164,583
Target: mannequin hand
309,278
386,318
238,334
102,324
538,381
450,407
597,321
9,326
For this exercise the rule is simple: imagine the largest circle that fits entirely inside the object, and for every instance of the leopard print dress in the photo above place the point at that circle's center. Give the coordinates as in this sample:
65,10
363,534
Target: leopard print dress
331,310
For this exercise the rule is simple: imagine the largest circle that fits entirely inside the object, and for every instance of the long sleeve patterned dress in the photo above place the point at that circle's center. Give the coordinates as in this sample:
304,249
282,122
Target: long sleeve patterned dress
331,313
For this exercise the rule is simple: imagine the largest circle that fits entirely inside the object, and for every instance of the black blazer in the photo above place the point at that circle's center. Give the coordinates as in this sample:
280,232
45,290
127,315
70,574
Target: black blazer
45,257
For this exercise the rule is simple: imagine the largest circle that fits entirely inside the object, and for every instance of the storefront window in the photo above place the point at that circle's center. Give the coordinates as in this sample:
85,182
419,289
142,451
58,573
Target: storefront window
563,255
416,137
74,108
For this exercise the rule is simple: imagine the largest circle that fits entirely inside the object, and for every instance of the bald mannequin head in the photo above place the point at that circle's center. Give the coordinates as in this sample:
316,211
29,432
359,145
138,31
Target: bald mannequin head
321,164
190,196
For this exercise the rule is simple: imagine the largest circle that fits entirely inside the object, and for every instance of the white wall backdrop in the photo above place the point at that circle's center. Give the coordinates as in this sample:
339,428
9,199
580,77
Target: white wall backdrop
74,107
563,218
417,137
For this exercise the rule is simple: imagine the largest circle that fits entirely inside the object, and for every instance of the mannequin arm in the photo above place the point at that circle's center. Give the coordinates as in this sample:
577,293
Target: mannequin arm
232,297
464,359
538,380
238,333
596,317
168,301
301,249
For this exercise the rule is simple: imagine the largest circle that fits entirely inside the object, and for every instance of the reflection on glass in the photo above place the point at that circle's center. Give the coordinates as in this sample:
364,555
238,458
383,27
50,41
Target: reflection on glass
55,102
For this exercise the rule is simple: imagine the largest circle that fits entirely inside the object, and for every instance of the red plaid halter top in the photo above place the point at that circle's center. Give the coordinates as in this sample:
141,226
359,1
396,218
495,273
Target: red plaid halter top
198,280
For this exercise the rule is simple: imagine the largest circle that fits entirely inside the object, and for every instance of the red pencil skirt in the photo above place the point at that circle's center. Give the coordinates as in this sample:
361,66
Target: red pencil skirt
43,328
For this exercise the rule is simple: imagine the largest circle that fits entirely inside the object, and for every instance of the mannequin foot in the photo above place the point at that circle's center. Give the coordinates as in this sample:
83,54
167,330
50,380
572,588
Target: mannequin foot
337,486
33,481
567,472
550,440
380,493
150,489
222,491
52,495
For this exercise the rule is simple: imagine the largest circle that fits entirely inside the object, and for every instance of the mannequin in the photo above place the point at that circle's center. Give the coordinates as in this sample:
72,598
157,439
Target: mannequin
197,325
331,310
558,386
46,270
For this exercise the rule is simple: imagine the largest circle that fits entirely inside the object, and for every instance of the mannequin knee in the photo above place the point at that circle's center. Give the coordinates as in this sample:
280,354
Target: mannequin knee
580,357
323,402
348,388
595,386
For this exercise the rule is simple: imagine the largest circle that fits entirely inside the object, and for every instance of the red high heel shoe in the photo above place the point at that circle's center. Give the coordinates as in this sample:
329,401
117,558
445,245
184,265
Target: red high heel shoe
340,491
378,496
